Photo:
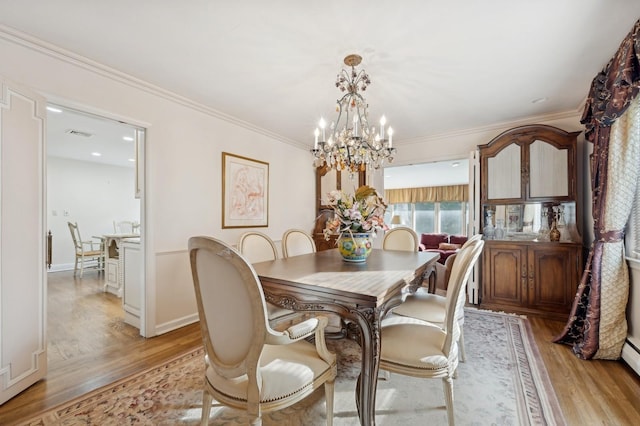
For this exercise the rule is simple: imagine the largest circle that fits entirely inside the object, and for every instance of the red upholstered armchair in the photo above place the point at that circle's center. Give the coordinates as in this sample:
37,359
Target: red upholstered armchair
444,244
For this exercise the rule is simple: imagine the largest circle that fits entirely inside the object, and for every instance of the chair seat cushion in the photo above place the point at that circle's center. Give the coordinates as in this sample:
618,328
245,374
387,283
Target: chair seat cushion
285,370
424,306
407,343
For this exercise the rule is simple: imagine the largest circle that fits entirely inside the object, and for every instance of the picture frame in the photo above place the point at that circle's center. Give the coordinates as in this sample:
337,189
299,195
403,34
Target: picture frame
245,192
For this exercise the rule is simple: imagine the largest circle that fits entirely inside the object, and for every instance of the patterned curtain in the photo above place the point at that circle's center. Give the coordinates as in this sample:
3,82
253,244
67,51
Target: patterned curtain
427,194
597,327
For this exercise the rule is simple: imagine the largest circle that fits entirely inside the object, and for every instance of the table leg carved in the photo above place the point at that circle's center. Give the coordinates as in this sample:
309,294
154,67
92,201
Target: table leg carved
364,328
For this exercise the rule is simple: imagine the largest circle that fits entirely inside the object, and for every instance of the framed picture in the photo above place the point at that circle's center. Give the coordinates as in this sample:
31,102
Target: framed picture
245,192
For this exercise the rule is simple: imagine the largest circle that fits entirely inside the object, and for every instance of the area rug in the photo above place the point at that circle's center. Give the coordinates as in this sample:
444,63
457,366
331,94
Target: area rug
502,382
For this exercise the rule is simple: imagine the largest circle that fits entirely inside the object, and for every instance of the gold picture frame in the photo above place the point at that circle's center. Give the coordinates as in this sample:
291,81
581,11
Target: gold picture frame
245,192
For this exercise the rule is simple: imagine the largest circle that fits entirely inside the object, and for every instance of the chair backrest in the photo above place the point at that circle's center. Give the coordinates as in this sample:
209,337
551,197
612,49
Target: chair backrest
448,264
126,227
75,235
257,247
296,242
472,240
231,307
400,238
460,272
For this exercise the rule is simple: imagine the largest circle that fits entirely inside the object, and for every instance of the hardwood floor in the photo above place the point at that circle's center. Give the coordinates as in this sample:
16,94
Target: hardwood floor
593,392
90,346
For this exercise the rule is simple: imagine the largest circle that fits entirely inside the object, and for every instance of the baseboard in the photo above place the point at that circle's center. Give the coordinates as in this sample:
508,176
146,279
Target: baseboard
69,267
631,356
175,324
61,267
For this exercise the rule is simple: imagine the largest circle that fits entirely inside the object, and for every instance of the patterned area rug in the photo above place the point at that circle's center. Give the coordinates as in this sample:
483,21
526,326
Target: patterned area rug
503,382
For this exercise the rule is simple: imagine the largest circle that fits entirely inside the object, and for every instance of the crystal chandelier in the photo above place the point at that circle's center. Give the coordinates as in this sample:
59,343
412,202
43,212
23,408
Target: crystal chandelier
353,145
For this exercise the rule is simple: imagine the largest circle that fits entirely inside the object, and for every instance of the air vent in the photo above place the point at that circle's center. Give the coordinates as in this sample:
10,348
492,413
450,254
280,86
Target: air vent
78,133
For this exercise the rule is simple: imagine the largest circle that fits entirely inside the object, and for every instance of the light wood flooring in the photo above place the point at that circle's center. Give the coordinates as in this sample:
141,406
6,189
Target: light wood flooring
90,346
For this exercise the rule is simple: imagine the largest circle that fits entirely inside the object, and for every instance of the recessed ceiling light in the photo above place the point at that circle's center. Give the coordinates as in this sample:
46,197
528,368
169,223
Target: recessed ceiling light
96,154
455,164
128,138
538,100
53,109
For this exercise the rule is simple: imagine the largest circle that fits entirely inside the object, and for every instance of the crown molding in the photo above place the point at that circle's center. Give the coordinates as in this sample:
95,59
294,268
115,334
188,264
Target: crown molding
25,40
495,127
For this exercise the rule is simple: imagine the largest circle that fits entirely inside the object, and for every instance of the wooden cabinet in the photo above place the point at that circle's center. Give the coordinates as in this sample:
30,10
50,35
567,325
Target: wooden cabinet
531,277
530,163
527,177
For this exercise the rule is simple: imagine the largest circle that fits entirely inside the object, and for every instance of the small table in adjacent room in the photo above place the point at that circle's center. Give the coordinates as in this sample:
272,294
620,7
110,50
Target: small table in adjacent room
361,293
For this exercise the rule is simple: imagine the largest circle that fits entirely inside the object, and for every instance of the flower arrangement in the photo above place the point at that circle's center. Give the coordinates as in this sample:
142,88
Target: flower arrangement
360,212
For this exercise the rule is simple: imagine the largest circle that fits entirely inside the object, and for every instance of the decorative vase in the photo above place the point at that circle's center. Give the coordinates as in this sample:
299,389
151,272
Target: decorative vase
554,234
489,231
499,231
355,246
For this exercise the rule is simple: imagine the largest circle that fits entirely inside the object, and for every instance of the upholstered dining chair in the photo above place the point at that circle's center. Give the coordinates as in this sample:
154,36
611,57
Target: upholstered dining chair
259,247
296,242
250,366
416,348
85,250
431,307
400,238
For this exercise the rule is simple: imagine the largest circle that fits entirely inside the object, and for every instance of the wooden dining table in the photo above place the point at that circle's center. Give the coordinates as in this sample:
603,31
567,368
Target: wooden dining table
360,293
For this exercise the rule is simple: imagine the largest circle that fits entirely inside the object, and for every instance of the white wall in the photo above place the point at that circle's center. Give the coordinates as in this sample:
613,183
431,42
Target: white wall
94,195
183,161
183,157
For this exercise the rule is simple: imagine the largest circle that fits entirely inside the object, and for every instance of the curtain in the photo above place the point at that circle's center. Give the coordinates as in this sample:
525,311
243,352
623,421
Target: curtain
597,326
428,194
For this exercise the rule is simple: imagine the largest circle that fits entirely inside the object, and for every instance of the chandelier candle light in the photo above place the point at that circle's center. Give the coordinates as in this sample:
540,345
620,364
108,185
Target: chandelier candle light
353,144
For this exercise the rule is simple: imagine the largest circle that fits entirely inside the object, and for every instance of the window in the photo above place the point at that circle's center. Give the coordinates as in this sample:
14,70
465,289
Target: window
449,217
425,217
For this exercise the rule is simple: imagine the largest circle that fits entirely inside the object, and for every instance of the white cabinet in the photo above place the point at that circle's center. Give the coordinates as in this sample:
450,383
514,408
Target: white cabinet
114,277
132,285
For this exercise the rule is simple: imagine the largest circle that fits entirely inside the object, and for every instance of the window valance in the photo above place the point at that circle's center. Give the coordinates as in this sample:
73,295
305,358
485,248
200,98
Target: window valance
427,194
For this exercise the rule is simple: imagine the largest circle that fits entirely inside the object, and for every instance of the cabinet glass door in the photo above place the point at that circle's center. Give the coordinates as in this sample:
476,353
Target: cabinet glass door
503,174
548,170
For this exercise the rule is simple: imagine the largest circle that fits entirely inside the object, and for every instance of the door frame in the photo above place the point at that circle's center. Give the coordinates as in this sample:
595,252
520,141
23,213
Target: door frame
147,308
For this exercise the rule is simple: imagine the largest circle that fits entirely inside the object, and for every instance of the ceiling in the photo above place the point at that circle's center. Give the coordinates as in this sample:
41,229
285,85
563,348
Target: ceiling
85,137
435,67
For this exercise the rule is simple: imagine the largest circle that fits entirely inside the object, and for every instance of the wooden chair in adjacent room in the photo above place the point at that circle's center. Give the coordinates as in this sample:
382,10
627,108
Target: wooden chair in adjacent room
430,307
412,347
85,251
250,366
296,242
126,227
258,247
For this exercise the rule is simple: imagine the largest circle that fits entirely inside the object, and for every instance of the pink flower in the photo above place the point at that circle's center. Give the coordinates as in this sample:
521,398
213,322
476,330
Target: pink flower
359,212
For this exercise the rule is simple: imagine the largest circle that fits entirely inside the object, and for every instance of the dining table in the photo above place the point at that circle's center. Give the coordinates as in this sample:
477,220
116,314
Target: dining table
360,293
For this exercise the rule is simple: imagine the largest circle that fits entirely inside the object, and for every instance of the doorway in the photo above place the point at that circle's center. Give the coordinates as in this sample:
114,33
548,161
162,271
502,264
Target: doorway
94,178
